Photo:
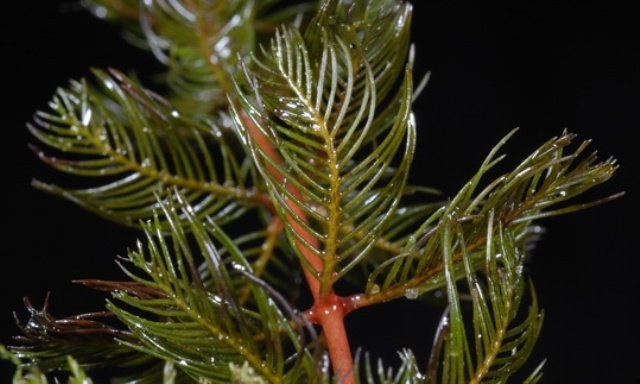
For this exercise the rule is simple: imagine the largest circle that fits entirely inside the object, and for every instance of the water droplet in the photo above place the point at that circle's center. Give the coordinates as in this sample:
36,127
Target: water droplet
411,293
370,199
86,117
238,267
321,210
235,21
537,229
324,365
222,47
100,12
216,132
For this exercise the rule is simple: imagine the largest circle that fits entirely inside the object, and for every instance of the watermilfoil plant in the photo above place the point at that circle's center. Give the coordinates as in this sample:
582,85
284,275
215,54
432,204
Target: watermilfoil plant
278,162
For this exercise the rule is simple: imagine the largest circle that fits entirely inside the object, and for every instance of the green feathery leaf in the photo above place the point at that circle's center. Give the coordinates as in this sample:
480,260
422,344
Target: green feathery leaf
199,41
32,374
317,101
546,178
407,373
497,344
204,329
78,376
135,145
6,355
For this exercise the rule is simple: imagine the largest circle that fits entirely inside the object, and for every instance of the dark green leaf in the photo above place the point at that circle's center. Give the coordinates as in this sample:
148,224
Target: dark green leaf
204,329
320,102
545,179
133,146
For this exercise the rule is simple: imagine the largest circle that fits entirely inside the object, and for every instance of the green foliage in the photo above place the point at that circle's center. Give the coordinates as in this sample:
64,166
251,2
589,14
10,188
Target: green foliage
408,372
199,41
318,101
307,141
34,375
546,178
499,348
204,330
135,145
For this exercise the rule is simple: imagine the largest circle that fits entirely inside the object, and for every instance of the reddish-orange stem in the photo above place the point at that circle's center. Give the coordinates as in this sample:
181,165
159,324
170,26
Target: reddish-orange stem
327,309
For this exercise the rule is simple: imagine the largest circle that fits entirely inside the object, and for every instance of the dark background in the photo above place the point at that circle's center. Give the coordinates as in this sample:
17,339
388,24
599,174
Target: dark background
542,66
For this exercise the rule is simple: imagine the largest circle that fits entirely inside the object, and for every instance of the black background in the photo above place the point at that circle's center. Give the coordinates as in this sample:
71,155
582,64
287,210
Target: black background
542,66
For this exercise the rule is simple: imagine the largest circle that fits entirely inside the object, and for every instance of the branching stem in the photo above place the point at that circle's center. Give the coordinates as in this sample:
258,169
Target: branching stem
327,308
356,301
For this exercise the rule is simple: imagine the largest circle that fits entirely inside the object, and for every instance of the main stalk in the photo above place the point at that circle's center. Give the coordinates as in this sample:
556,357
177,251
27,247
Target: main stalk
327,310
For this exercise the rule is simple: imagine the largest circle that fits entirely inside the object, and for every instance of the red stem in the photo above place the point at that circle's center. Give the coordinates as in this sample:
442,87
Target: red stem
328,309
